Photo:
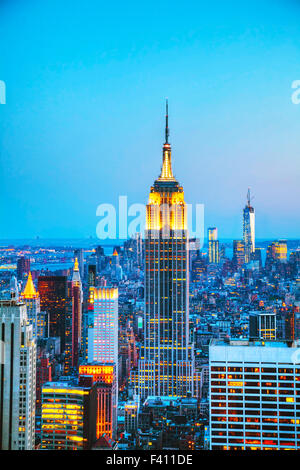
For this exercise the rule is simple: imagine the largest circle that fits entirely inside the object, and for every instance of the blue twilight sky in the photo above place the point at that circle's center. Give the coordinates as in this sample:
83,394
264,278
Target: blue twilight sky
84,114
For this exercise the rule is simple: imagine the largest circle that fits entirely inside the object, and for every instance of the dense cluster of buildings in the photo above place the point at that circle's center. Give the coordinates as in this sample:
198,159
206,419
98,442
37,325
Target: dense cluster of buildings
161,344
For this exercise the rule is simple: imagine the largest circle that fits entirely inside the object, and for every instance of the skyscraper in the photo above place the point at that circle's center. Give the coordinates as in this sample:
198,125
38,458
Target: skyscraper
78,253
103,337
254,395
166,366
68,415
92,270
17,378
213,245
32,301
104,376
238,253
103,356
77,298
53,294
249,229
23,267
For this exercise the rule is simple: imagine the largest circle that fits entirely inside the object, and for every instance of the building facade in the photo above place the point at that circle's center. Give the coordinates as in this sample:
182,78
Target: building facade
254,395
213,246
77,298
105,378
17,378
68,416
53,295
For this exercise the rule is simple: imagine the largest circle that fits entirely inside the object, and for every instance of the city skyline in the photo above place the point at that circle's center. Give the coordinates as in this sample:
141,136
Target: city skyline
71,138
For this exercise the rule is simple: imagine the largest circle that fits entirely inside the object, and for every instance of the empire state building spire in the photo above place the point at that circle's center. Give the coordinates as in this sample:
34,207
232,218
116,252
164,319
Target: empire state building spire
167,123
166,170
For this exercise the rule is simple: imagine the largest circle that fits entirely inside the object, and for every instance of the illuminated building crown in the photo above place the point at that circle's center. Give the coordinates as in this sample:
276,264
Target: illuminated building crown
76,274
29,291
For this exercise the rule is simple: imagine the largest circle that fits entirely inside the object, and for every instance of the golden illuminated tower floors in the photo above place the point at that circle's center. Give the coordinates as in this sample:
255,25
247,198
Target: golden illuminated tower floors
166,366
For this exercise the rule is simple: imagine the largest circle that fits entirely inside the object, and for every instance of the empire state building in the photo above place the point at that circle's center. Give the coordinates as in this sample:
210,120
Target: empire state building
166,366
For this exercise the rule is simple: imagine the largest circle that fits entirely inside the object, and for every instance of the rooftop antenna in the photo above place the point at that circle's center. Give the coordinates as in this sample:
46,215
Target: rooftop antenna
167,122
249,198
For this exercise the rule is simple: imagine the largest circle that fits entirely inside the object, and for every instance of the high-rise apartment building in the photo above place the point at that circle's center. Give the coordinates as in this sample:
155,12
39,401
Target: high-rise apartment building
166,365
249,229
17,378
254,395
213,245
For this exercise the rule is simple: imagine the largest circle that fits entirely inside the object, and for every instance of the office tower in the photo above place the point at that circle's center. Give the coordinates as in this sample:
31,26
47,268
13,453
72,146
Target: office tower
105,377
87,323
68,330
14,288
124,360
92,275
256,256
17,378
286,321
222,252
103,349
166,366
116,269
249,229
213,245
276,254
115,258
262,325
238,253
31,299
279,251
103,337
295,261
100,259
53,295
131,409
77,298
43,375
23,267
78,254
199,268
254,395
68,415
